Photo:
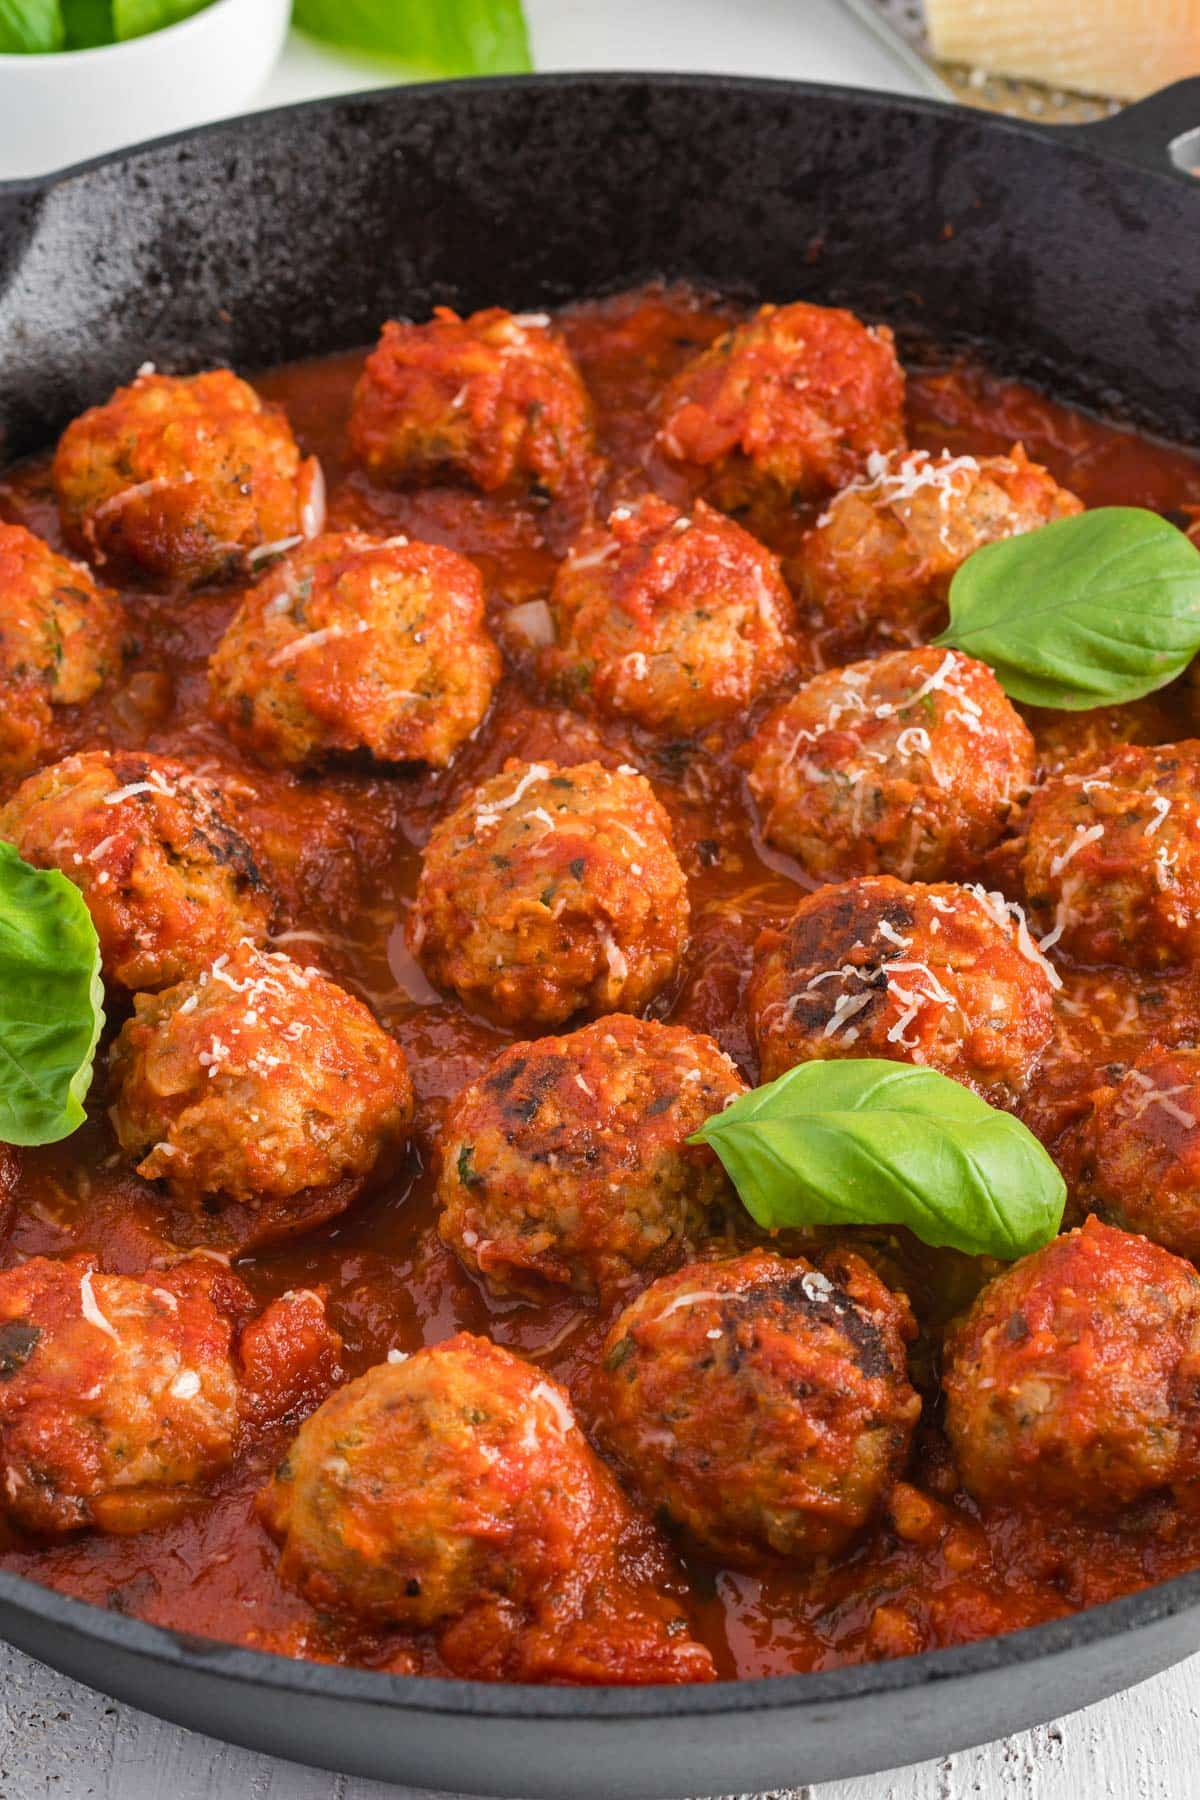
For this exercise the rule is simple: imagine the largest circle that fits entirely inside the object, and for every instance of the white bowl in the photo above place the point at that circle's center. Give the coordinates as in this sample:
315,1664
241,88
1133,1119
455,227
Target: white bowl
56,110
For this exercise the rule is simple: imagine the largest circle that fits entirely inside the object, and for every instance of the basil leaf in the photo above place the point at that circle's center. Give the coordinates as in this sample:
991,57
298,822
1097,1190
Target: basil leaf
451,37
31,27
863,1141
88,23
137,18
51,1002
1088,611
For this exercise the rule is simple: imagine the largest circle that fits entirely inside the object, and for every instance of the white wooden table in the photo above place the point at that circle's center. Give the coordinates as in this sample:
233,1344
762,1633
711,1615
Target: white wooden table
59,1741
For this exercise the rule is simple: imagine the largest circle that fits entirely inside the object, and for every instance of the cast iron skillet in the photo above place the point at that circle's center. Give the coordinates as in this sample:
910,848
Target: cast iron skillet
1068,257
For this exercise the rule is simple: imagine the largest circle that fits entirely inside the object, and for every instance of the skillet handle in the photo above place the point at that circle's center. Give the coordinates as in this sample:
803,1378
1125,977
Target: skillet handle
1160,133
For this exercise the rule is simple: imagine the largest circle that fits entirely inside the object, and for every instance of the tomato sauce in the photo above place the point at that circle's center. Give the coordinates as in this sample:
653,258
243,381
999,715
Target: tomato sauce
345,848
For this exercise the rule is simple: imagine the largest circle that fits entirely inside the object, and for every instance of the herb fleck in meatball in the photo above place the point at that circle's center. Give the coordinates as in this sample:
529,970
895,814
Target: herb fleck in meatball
906,766
1074,1379
181,477
875,570
790,403
941,975
168,879
566,1164
762,1405
494,400
674,622
118,1396
1112,856
60,641
1134,1158
259,1093
357,643
458,1482
552,891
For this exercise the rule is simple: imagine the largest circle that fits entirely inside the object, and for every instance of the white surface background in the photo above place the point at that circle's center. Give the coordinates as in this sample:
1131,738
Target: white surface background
59,1741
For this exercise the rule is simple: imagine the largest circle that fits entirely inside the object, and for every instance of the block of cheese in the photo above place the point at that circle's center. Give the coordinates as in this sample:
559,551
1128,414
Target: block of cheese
1125,48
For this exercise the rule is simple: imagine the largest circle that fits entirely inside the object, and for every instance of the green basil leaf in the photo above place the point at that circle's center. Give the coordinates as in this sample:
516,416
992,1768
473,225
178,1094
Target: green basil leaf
451,37
1093,610
866,1142
30,27
51,1002
88,23
137,18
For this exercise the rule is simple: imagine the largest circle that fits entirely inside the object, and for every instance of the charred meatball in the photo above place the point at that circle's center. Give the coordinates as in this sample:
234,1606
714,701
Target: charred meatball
1112,856
906,766
875,570
763,1405
168,879
357,643
60,641
671,621
1074,1379
494,400
788,404
1134,1158
940,975
455,1482
552,891
260,1085
566,1164
118,1396
182,478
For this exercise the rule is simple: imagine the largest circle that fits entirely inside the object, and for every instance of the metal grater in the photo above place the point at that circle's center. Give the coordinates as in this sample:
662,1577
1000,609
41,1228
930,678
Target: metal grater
901,23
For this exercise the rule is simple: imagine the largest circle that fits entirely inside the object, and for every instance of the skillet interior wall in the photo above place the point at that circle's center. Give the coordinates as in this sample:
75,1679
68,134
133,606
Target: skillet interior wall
287,235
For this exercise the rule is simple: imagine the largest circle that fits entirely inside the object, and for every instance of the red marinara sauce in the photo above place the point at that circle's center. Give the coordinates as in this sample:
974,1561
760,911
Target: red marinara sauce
345,849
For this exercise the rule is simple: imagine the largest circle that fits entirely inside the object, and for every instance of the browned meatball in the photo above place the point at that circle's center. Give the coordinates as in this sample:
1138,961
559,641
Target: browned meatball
118,1396
495,400
763,1405
566,1164
60,641
357,643
1134,1158
457,1481
875,570
790,404
168,879
1074,1379
552,891
183,477
1112,856
906,766
673,621
259,1093
939,975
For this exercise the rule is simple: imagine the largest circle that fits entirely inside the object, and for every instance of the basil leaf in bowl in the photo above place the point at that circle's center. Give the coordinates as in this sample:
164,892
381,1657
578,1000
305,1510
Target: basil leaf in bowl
51,1002
864,1141
30,27
1094,610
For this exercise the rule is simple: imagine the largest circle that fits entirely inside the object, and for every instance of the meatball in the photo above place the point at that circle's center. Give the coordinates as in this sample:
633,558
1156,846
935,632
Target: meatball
118,1395
1111,856
552,891
906,766
450,1482
763,1405
789,404
182,477
875,570
671,621
1074,1379
168,879
1134,1158
60,641
494,400
940,975
566,1165
262,1085
357,643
